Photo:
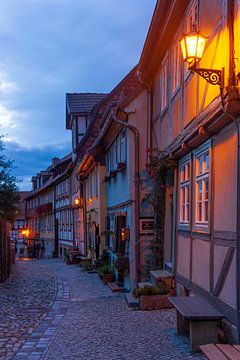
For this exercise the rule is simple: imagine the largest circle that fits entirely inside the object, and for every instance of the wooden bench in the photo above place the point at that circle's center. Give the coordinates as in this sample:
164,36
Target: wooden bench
198,317
221,351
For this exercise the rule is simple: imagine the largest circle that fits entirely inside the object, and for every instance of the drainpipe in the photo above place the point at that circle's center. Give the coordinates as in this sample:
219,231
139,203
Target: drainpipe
148,86
136,147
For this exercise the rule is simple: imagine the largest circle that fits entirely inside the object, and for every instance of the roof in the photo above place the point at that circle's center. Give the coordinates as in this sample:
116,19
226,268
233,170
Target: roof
81,103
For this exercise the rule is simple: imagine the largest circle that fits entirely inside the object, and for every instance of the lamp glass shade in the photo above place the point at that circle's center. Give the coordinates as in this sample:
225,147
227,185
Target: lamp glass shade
192,46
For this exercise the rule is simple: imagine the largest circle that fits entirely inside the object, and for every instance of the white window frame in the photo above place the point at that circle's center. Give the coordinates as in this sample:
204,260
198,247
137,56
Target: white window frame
164,84
201,175
185,175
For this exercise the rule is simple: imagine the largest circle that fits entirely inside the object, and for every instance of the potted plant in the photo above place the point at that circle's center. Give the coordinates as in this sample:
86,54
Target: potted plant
153,297
106,273
121,264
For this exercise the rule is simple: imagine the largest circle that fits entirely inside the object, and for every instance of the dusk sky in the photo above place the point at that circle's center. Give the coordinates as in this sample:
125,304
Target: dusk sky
50,47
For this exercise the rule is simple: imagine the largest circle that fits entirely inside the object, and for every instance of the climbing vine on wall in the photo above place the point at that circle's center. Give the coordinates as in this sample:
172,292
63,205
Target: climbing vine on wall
160,170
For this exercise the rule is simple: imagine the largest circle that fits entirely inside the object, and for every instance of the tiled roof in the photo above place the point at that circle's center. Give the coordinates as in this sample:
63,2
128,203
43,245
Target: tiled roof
82,102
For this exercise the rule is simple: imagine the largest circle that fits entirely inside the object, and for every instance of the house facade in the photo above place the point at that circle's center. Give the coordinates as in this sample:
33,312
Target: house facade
196,124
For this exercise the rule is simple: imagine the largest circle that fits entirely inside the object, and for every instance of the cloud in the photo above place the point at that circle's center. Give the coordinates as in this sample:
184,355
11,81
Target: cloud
28,161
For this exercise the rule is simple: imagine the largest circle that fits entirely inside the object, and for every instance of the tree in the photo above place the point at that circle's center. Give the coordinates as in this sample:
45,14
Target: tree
8,189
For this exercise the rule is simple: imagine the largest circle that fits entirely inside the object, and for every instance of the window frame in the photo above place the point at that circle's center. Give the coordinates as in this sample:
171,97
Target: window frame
164,86
185,225
176,66
201,226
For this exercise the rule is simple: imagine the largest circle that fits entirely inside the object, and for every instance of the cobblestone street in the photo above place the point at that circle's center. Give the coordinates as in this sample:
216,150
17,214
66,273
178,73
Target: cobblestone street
49,310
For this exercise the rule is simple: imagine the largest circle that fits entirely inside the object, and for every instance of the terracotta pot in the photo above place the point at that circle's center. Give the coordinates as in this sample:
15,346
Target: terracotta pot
108,278
154,302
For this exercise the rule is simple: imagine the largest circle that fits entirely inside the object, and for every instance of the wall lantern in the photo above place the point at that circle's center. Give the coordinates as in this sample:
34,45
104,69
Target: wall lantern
192,45
77,202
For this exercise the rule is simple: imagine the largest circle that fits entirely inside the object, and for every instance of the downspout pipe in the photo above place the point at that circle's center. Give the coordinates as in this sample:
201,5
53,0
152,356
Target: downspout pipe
135,132
148,86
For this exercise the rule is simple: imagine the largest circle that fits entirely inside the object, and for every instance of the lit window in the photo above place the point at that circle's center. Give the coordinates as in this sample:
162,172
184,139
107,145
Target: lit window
185,192
202,187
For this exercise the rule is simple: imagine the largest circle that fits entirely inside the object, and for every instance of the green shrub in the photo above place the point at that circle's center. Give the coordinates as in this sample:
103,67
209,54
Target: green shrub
105,269
150,290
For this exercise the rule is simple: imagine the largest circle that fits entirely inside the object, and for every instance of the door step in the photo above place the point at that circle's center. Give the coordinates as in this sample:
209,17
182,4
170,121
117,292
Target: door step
114,287
163,277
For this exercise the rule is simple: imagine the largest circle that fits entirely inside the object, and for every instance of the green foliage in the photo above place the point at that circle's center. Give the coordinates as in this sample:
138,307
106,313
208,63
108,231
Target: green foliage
105,269
160,175
8,188
150,290
121,263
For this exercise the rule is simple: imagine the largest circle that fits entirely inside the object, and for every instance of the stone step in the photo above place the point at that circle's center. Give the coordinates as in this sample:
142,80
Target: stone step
161,276
114,287
132,302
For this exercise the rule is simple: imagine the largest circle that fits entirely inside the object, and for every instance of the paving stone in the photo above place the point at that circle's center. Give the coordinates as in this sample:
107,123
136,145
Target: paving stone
49,311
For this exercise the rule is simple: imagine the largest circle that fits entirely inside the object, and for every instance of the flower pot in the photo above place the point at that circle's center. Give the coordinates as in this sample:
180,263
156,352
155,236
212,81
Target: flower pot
154,302
108,278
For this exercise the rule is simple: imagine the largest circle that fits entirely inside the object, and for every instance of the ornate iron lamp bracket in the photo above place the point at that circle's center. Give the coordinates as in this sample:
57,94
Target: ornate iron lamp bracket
212,76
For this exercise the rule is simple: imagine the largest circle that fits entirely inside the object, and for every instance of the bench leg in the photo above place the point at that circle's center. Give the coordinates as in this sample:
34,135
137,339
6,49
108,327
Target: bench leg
203,332
182,326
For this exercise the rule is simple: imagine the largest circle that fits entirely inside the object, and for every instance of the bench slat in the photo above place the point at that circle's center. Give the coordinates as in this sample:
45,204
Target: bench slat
229,351
212,352
195,308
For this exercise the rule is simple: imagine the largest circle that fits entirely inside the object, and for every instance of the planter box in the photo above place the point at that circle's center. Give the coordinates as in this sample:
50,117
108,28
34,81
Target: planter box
154,302
107,278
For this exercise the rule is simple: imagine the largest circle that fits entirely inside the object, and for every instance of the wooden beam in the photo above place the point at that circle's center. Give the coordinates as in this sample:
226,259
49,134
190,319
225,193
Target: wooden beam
224,272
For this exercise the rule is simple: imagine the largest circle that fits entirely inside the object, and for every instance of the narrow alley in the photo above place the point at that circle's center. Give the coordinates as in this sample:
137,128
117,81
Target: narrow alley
53,311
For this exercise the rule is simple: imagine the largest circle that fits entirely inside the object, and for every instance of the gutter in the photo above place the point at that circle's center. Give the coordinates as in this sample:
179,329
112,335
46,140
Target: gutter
136,182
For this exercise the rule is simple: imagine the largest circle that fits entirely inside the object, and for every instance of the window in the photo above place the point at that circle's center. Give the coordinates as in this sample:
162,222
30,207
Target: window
202,187
192,17
115,154
185,192
89,188
176,66
123,146
95,183
164,84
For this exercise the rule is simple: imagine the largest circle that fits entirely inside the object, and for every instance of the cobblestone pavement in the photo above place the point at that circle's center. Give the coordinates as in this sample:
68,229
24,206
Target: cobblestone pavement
85,320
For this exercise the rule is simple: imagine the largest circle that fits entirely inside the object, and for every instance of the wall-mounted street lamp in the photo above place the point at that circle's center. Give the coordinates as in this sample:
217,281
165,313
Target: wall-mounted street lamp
192,45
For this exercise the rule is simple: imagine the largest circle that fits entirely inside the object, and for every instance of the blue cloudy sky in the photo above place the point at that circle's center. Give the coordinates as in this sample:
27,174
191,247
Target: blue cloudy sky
50,47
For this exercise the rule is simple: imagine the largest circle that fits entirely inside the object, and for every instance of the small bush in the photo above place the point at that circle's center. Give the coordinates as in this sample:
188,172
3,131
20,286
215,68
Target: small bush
150,290
105,269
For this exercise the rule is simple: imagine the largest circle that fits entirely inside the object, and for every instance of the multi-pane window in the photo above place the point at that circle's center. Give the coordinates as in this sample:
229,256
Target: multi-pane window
185,193
89,188
202,187
164,84
176,66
